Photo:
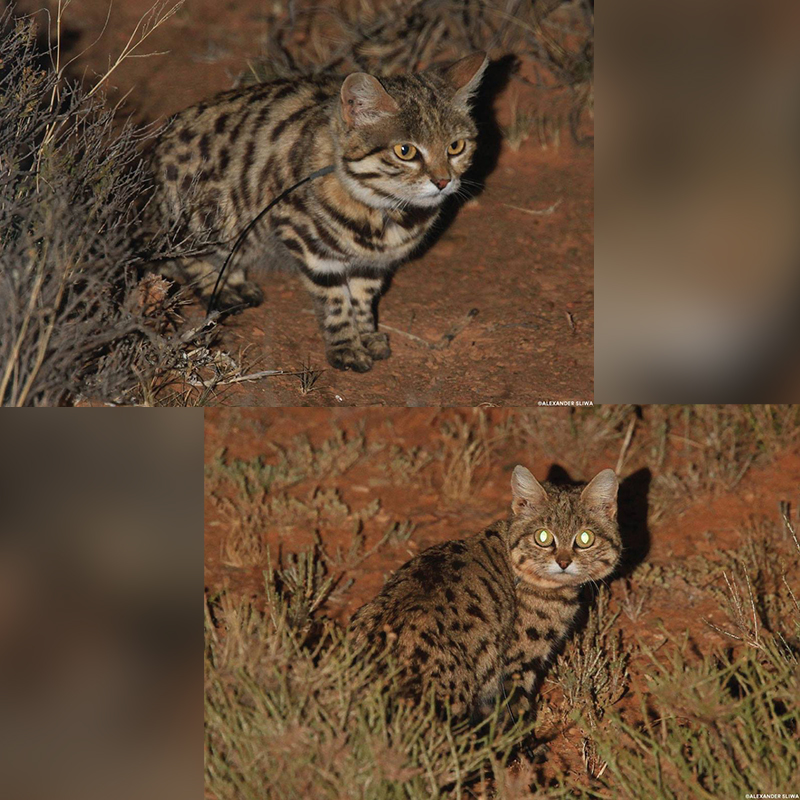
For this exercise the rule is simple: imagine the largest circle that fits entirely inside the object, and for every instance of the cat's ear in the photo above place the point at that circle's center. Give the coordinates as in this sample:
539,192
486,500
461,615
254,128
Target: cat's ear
465,77
526,491
601,493
364,100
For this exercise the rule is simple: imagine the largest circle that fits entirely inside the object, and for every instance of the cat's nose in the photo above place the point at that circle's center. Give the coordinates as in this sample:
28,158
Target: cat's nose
440,183
563,561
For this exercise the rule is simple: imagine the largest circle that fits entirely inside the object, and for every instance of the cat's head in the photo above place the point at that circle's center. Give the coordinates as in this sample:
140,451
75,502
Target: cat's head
407,140
563,536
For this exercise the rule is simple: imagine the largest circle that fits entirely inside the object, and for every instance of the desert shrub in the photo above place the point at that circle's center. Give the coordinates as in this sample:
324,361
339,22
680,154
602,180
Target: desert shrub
76,318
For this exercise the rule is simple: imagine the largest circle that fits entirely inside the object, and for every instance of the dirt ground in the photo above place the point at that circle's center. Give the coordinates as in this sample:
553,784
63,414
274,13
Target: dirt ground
518,258
660,533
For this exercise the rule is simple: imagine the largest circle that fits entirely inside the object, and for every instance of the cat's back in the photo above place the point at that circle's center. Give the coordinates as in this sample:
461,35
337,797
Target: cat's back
446,615
270,126
256,109
449,590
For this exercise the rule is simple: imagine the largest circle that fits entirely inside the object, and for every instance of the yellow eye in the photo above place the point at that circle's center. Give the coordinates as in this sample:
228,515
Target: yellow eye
454,148
543,538
405,151
584,539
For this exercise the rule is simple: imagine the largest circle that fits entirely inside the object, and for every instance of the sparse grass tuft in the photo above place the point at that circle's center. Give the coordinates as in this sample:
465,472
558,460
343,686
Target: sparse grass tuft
405,464
465,449
528,122
303,585
519,128
593,671
634,600
758,592
308,377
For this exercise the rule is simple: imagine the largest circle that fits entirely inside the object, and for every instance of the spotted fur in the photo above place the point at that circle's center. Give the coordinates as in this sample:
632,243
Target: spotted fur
222,161
465,615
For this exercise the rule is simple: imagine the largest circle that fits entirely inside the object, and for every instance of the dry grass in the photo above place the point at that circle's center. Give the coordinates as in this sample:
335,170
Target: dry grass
383,38
406,464
309,376
592,675
757,590
723,727
690,450
527,122
291,711
466,448
658,711
250,501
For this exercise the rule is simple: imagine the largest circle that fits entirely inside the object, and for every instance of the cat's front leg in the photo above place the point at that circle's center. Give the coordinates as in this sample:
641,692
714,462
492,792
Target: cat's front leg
364,295
343,345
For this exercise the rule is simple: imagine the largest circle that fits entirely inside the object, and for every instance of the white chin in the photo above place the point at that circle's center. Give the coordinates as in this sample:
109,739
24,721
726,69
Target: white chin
428,200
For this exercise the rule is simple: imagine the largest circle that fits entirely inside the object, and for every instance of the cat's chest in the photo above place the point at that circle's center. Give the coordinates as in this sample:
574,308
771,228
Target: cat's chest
385,239
543,622
341,229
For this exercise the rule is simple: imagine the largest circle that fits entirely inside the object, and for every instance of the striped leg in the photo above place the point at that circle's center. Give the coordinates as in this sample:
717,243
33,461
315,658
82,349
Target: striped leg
343,346
364,293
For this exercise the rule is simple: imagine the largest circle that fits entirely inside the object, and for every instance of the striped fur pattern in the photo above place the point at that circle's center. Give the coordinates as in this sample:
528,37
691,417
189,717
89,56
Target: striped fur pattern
399,146
465,615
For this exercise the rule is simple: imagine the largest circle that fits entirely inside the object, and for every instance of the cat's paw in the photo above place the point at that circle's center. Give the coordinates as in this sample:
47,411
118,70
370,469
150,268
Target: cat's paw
377,344
235,298
250,293
349,356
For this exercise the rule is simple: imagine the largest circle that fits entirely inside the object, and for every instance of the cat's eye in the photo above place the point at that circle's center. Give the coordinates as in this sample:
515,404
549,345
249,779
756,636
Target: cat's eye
584,539
405,151
454,148
543,538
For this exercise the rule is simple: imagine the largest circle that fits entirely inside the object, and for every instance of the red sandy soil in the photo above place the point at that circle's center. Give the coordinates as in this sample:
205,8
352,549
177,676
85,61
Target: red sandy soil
530,276
706,526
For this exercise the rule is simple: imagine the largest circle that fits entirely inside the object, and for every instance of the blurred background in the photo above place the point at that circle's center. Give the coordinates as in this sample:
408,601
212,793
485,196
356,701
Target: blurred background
697,250
100,557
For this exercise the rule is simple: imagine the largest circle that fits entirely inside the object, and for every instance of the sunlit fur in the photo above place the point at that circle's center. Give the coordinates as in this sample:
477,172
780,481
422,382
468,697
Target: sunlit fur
430,119
463,616
564,512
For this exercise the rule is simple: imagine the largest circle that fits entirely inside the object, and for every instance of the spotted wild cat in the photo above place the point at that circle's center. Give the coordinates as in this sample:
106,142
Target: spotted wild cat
464,615
398,145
